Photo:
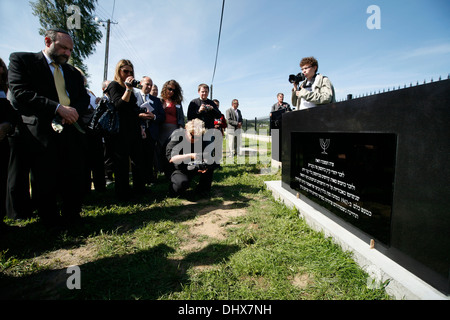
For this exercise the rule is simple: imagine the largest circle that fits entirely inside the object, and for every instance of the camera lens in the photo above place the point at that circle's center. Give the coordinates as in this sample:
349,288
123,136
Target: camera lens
134,83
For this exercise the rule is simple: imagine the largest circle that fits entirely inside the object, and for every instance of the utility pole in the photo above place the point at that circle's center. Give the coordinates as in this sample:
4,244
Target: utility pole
108,27
108,32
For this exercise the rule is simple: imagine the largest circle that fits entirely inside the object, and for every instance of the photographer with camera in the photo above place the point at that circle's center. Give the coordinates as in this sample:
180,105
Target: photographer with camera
190,154
280,104
203,108
315,89
277,110
127,143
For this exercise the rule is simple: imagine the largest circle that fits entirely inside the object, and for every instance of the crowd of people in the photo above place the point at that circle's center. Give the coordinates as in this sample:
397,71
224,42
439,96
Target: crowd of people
50,158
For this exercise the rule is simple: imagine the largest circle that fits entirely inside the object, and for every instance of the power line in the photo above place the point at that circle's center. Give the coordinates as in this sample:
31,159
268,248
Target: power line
121,37
218,43
114,8
108,29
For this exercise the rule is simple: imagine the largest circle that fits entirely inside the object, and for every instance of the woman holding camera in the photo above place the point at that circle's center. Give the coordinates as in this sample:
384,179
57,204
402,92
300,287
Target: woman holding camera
189,155
126,144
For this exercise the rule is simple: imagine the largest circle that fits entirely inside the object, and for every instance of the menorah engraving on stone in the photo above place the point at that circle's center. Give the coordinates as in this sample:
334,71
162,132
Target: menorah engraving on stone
324,144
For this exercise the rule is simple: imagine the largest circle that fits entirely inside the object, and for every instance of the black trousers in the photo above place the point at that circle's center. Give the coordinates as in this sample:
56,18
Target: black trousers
128,147
108,155
57,172
148,153
95,164
18,197
4,159
181,180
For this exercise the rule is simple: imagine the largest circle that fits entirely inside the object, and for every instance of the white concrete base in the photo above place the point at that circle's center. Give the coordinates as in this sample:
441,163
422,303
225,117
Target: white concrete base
402,283
275,164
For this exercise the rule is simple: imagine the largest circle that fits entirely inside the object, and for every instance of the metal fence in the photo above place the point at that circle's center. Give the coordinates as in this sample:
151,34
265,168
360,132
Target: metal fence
257,124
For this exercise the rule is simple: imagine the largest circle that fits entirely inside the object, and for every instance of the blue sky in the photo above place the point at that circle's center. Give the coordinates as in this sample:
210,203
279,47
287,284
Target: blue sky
262,43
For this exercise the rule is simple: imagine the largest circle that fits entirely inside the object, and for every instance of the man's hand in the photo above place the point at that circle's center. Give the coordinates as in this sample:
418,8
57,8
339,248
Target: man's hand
69,115
147,115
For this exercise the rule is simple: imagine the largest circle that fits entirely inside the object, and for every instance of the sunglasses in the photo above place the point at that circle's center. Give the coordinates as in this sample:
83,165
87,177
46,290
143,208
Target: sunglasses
126,71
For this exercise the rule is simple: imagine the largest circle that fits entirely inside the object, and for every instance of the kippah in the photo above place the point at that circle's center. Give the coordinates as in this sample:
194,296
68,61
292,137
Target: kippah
58,30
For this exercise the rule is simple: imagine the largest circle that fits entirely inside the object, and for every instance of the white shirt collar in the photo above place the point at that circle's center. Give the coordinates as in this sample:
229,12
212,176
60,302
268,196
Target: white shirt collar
49,61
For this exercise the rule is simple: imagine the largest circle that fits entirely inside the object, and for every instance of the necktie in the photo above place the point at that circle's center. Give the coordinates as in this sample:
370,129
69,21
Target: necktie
60,86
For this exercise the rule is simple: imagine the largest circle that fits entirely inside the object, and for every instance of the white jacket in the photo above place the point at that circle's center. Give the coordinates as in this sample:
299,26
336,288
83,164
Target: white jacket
322,93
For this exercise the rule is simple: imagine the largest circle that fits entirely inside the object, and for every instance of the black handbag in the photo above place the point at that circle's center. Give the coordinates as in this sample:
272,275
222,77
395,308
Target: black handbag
105,120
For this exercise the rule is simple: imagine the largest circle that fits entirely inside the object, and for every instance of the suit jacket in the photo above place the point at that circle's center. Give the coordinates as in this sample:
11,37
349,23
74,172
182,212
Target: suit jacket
34,95
232,119
152,126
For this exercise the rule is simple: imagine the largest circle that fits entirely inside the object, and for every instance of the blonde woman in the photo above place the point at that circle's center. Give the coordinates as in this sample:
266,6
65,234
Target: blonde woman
127,143
189,155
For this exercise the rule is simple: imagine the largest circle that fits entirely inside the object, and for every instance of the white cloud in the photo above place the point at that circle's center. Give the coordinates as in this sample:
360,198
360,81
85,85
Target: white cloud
428,52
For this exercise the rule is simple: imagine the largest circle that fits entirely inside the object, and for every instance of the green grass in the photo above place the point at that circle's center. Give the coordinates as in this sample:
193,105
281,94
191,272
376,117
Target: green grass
138,250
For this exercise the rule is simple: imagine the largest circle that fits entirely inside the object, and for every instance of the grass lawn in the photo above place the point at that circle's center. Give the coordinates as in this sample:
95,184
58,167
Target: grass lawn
240,244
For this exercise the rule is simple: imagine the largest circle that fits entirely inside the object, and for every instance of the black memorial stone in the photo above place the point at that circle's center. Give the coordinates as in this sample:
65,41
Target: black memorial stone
350,174
392,151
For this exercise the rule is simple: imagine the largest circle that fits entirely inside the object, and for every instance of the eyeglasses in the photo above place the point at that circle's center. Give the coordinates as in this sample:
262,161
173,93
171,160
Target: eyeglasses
171,89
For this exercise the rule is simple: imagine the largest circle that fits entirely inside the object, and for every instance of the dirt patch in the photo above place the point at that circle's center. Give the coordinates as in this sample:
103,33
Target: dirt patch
301,281
259,282
49,282
64,258
210,223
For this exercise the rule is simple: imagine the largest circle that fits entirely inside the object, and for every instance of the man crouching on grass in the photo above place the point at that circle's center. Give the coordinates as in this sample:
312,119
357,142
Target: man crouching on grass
191,152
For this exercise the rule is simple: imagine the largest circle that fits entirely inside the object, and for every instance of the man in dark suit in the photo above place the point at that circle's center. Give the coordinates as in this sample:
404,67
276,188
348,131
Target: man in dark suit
55,158
234,128
151,118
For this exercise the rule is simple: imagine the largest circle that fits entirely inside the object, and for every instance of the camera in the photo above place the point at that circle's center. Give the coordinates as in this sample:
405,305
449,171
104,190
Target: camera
197,165
296,78
136,84
207,107
143,110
